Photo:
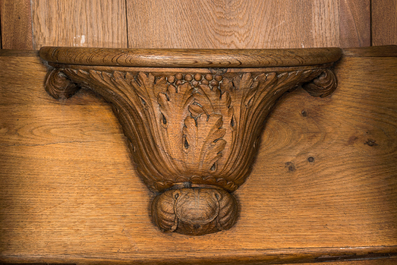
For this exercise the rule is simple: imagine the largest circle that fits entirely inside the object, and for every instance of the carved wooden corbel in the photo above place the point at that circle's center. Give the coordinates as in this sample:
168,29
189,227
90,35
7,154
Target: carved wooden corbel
193,118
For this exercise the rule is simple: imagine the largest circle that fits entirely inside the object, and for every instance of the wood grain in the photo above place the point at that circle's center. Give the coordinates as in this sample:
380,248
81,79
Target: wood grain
375,51
16,25
248,24
386,261
1,42
355,23
382,261
68,190
232,24
207,24
74,23
384,22
163,58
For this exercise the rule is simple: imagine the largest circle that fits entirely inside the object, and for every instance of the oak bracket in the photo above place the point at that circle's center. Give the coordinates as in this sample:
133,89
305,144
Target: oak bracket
192,117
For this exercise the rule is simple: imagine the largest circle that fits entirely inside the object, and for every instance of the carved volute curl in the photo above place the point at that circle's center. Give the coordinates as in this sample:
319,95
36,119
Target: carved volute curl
192,129
58,85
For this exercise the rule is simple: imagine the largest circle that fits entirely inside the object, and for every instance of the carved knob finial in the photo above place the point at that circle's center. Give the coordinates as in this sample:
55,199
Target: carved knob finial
194,211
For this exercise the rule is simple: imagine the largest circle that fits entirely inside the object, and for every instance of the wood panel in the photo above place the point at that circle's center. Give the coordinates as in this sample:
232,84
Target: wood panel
355,23
74,23
16,25
232,24
384,22
391,261
324,184
1,8
248,24
189,24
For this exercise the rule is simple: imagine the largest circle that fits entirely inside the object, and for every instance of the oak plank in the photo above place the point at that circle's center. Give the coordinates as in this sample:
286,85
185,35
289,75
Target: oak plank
233,24
74,23
384,22
16,25
68,190
355,23
387,261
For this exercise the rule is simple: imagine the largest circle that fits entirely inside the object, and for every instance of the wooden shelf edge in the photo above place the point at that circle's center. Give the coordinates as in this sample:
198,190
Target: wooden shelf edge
265,256
229,58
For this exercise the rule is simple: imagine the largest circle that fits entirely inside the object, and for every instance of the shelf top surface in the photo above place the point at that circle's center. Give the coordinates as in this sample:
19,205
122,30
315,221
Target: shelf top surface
208,58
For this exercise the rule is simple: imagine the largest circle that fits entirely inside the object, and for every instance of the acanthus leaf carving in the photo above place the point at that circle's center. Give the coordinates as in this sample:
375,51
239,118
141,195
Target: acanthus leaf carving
202,142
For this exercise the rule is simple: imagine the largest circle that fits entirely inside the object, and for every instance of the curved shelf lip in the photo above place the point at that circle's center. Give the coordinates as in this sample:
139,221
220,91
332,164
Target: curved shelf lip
194,58
157,70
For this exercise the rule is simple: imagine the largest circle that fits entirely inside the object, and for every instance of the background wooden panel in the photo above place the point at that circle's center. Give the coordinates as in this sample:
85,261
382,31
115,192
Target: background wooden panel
248,24
1,42
384,22
187,24
68,189
355,23
232,24
391,261
16,24
75,23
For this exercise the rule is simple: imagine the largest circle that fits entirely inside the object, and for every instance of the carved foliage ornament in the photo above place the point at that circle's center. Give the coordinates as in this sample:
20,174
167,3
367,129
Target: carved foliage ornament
193,132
